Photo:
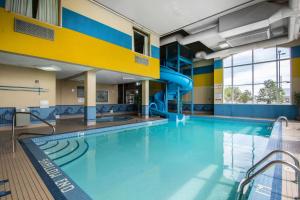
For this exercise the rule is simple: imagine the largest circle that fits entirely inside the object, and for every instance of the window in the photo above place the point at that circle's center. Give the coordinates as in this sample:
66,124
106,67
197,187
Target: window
102,96
141,42
261,76
43,10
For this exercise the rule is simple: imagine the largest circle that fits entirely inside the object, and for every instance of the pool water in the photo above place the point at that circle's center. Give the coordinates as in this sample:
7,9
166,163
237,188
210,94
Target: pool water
199,159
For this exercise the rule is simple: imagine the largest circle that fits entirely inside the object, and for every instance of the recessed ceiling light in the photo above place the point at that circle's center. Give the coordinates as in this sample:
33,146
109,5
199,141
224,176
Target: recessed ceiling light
224,45
50,68
128,78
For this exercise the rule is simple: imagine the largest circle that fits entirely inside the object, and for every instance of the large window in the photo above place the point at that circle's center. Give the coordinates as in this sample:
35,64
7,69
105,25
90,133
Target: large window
141,42
260,76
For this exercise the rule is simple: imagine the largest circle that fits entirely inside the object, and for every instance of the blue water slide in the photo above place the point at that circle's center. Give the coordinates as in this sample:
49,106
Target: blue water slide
175,81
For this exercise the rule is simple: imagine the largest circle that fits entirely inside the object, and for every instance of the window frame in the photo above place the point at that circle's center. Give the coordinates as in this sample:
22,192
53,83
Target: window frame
277,61
145,34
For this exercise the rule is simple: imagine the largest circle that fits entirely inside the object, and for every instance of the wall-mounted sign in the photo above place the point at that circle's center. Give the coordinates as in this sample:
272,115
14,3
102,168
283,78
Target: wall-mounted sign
141,60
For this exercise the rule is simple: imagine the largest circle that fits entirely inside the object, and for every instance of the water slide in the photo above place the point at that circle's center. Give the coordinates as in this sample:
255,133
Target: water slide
174,81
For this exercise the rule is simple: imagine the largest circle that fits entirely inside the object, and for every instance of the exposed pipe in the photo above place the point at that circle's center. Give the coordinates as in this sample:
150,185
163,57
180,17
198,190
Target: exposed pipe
226,52
292,12
199,36
170,39
293,30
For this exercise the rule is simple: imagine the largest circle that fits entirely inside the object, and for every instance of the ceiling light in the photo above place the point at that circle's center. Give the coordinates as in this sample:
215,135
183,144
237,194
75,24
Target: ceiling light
50,68
128,78
224,45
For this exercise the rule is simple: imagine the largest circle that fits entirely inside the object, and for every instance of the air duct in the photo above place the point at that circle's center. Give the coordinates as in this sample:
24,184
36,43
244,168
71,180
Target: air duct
220,54
293,30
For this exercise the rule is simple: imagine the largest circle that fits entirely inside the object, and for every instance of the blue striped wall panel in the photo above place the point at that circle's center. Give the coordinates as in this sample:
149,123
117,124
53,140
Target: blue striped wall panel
47,114
155,52
256,111
2,3
85,25
218,64
295,52
200,70
69,110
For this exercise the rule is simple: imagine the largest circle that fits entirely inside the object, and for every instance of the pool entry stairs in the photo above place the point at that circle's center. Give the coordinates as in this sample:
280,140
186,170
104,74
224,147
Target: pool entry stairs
176,72
64,152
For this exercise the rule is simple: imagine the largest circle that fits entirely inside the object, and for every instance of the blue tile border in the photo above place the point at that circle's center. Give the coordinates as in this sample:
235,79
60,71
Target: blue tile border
58,183
68,110
47,114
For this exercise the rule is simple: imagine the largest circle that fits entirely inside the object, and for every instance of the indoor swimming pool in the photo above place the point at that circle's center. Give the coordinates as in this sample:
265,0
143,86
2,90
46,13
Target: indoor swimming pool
201,158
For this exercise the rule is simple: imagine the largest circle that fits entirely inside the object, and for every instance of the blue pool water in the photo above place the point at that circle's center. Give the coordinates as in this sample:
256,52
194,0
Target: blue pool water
201,159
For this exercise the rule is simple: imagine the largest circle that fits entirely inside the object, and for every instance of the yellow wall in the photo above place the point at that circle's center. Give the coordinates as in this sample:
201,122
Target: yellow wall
66,92
72,47
296,74
203,85
26,77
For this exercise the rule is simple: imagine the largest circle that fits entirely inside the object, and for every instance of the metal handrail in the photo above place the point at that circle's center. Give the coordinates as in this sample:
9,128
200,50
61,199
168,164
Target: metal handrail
283,118
31,114
247,180
268,156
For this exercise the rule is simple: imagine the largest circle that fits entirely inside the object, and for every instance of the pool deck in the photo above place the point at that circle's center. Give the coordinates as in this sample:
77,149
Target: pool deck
25,183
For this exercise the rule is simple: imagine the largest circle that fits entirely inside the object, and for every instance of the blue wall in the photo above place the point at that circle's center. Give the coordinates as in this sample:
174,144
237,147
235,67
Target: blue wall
2,3
155,52
258,111
50,113
85,25
6,114
68,110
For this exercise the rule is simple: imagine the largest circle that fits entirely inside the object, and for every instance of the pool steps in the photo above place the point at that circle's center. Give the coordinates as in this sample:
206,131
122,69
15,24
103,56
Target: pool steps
4,193
64,152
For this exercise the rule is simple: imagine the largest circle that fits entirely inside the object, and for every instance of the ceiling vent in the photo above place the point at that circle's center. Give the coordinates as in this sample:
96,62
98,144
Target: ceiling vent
247,38
33,30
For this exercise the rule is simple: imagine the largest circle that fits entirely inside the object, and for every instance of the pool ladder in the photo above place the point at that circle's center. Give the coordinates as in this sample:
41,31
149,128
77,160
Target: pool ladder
32,115
282,118
250,177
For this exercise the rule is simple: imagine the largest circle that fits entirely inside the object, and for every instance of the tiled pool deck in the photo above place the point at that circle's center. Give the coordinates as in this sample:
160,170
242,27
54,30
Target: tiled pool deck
25,183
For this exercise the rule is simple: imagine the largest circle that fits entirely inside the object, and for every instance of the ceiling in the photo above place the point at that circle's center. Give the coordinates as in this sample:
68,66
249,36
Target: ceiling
170,15
67,70
110,77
